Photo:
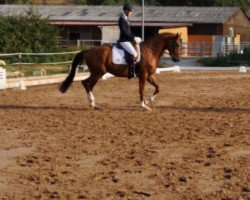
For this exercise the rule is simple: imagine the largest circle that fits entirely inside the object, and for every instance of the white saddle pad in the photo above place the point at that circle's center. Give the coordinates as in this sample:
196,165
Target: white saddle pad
118,56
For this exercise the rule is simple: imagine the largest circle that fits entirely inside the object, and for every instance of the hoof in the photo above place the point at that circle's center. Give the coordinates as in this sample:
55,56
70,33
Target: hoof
152,98
147,102
96,108
145,107
92,104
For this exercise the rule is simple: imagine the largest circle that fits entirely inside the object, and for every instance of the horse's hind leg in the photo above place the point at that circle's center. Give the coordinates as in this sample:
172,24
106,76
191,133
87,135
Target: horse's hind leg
153,82
89,84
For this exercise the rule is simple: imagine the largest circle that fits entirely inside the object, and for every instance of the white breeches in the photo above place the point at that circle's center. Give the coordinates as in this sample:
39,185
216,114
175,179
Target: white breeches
129,48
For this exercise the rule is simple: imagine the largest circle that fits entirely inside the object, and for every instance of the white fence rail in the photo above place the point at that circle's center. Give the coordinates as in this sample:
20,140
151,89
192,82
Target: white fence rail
18,65
21,62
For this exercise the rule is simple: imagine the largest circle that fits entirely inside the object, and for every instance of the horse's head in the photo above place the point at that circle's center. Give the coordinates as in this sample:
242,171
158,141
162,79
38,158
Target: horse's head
173,47
165,41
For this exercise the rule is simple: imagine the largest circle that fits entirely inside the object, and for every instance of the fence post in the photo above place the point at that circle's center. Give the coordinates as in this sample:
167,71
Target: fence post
2,78
202,49
19,63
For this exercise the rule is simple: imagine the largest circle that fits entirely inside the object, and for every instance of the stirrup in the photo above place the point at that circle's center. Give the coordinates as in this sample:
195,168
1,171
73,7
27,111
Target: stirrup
132,72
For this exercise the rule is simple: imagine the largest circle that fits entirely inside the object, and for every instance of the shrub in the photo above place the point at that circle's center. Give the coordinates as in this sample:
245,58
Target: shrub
27,33
231,59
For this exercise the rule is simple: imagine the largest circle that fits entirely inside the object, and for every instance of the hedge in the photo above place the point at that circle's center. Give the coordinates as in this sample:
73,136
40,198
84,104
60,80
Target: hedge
232,59
27,33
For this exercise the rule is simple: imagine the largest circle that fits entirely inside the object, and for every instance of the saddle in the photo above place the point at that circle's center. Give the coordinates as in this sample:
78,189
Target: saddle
120,56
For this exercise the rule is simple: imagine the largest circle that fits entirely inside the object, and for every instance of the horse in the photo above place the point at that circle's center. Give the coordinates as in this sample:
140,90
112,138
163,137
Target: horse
99,61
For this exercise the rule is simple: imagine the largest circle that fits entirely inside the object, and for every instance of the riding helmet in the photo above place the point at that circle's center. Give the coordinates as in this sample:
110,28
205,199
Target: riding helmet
128,7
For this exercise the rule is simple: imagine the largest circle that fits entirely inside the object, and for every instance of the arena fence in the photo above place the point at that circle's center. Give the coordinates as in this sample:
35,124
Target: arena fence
192,49
20,55
20,81
212,49
12,75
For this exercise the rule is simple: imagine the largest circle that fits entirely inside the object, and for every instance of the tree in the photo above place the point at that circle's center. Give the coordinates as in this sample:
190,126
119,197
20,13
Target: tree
80,2
203,2
27,33
95,2
16,1
115,2
244,4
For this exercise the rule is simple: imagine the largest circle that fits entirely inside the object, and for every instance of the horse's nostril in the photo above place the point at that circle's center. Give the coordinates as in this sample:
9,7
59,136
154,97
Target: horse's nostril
174,59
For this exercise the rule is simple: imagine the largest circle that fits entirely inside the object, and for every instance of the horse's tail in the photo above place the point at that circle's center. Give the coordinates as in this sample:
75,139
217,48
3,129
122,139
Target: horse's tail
79,58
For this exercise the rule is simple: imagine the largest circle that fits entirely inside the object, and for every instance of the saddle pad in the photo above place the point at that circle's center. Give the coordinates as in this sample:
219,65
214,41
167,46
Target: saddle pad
118,56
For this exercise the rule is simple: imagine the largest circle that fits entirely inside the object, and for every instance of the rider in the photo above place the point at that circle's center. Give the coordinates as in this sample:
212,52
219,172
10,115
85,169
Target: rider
126,37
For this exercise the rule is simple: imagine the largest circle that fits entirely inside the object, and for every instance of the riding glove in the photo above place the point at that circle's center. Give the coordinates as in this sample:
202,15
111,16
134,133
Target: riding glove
137,40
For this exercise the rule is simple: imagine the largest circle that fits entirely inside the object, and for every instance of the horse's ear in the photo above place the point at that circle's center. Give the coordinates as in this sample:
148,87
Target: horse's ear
178,36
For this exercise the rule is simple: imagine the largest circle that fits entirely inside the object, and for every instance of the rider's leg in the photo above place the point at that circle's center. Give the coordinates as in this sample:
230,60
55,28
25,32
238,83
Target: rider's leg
130,49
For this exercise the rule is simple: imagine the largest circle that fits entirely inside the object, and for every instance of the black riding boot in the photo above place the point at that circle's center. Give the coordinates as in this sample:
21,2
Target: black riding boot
131,73
131,70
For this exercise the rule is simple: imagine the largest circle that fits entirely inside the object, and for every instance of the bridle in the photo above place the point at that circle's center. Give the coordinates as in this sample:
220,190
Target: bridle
155,49
172,54
164,52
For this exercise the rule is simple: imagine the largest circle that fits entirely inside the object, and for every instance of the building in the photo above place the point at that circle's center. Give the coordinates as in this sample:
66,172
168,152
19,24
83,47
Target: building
99,23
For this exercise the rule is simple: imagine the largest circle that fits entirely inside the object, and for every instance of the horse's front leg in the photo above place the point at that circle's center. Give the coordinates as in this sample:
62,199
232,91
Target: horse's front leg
142,81
153,82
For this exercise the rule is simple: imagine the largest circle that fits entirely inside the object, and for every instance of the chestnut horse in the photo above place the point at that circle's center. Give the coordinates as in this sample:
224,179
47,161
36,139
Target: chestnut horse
99,61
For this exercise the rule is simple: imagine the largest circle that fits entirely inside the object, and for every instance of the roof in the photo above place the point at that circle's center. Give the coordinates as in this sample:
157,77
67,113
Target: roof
166,14
95,23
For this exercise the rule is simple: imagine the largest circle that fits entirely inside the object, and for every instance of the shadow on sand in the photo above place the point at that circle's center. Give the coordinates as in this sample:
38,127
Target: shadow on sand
19,107
127,108
212,109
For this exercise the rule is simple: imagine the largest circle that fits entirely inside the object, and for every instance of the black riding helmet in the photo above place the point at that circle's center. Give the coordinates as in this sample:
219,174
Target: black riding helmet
128,7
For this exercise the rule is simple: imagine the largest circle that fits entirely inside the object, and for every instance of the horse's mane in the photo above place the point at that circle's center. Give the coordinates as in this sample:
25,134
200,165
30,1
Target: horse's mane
160,36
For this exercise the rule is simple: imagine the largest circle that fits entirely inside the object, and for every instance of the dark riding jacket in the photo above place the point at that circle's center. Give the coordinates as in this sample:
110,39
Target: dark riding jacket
125,32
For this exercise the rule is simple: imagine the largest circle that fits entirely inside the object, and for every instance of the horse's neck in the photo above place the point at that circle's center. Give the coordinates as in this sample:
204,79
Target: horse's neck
156,46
